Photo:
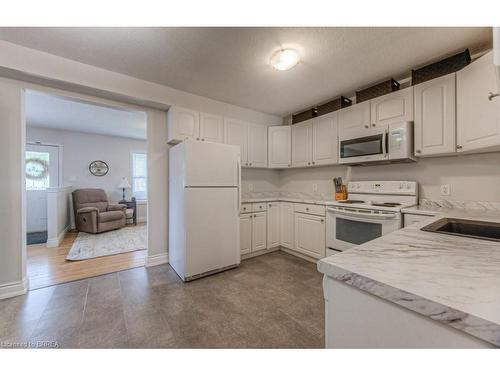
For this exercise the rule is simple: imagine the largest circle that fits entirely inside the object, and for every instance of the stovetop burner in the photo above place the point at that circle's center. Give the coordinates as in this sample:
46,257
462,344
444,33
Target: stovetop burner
387,204
352,201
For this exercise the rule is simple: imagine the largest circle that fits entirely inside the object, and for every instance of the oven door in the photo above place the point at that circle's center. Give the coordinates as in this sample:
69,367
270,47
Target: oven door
358,148
347,228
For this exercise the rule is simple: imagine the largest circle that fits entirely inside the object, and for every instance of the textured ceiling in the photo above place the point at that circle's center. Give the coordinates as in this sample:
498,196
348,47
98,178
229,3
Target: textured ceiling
232,64
56,112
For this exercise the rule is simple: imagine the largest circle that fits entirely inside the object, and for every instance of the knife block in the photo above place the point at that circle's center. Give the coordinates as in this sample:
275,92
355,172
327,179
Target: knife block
342,194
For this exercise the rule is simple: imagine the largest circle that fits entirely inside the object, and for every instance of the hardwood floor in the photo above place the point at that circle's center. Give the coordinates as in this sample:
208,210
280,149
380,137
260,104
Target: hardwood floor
48,266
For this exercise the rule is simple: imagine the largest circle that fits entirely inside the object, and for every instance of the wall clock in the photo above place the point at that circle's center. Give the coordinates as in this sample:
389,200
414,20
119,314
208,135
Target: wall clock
98,168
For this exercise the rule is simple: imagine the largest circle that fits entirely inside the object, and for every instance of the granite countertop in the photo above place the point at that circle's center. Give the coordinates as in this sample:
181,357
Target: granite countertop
450,279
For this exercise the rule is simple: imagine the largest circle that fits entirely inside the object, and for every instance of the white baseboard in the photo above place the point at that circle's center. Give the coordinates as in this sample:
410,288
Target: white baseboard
156,260
260,252
14,289
299,255
55,242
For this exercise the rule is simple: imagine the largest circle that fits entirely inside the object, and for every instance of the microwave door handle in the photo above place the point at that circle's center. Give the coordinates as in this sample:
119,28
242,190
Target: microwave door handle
386,143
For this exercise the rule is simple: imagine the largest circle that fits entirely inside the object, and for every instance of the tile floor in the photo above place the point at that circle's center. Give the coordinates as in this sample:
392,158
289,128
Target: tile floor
271,301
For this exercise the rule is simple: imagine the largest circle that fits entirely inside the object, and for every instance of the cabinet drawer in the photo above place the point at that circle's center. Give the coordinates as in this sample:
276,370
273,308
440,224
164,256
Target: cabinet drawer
258,207
312,209
246,208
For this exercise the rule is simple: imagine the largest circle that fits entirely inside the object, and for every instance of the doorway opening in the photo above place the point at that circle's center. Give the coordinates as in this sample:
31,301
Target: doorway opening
86,187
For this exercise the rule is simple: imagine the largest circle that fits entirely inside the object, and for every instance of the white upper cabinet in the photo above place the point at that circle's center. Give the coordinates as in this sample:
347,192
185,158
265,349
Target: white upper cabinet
236,133
435,116
302,144
478,114
211,128
356,117
324,140
280,142
183,124
257,146
391,108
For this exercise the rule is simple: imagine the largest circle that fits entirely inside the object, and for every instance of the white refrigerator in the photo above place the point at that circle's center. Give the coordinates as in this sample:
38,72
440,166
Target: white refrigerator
204,205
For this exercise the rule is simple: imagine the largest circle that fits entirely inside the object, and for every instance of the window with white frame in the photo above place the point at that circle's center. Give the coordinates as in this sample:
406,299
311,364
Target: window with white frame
139,175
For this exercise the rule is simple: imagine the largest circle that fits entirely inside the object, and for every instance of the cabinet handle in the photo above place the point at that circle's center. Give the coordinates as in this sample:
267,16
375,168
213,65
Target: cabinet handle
203,139
366,126
322,220
250,163
374,125
307,209
491,96
314,162
418,151
289,165
197,139
308,163
459,147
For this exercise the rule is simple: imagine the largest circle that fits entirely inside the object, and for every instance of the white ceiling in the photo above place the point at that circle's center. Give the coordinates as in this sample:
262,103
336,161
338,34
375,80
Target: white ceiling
232,64
56,112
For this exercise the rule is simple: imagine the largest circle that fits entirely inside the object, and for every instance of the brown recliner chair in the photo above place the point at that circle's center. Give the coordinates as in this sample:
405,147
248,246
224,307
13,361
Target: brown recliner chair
93,213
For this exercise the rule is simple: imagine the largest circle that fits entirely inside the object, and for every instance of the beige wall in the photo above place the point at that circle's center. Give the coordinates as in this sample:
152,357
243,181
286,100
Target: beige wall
471,177
259,180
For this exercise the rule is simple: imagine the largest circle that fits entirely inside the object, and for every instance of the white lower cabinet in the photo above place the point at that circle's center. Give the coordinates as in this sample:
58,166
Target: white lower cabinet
253,229
310,235
259,231
273,225
286,225
245,233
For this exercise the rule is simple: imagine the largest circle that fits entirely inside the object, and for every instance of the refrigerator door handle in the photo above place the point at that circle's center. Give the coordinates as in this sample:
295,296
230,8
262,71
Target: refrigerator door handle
238,166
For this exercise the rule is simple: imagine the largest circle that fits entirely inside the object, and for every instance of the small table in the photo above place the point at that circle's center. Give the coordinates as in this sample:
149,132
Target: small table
133,205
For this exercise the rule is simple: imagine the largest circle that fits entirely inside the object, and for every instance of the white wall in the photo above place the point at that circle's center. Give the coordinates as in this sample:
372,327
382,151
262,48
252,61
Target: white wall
58,214
259,180
12,192
80,149
471,177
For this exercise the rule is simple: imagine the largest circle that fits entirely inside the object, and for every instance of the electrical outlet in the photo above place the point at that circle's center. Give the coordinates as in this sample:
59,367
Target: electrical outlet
445,189
315,187
250,187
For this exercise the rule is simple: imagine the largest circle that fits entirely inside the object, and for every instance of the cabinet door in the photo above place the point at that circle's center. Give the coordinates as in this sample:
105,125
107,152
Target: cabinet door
310,235
236,133
246,233
273,225
259,231
183,124
280,146
325,145
211,128
302,144
257,146
391,108
435,116
354,117
478,117
286,225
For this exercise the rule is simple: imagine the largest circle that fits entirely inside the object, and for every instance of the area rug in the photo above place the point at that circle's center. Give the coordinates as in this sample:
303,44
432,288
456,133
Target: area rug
124,240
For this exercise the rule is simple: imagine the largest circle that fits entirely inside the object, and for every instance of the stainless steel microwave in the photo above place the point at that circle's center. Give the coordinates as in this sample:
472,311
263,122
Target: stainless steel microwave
384,144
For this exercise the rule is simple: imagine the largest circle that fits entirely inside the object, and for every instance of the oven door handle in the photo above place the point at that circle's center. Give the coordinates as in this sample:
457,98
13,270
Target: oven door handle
364,214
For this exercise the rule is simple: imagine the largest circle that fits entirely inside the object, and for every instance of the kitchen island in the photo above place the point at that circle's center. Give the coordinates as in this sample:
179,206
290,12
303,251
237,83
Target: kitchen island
415,289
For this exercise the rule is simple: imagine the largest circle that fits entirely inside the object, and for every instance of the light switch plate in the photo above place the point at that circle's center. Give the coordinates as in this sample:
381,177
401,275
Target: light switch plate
445,189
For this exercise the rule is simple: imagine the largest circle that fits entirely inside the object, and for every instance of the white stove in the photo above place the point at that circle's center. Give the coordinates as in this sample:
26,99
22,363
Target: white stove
372,210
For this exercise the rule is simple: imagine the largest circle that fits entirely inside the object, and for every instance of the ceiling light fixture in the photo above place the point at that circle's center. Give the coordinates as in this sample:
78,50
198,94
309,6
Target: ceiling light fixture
285,59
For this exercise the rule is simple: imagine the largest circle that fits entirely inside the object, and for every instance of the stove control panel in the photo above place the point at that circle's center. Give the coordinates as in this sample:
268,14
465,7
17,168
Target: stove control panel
383,187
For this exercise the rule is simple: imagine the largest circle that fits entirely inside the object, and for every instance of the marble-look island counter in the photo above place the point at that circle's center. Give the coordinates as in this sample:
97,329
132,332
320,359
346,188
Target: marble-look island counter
419,289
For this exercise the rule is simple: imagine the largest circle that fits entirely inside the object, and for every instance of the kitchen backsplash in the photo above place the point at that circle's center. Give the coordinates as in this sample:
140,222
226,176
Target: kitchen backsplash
472,178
